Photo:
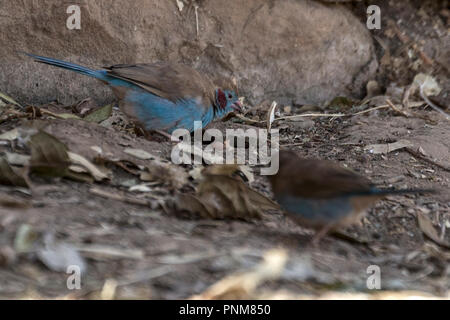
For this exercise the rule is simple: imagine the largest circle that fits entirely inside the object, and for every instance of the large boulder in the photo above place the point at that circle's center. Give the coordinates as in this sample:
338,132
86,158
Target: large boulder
288,50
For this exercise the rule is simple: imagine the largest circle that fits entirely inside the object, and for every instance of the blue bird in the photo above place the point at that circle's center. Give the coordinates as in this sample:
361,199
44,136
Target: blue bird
322,195
161,96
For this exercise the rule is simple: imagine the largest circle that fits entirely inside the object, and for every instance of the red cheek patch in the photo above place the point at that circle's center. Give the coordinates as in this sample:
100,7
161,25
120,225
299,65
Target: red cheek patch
221,99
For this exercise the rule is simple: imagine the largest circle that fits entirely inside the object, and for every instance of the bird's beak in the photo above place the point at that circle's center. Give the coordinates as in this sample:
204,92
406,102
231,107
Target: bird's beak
237,106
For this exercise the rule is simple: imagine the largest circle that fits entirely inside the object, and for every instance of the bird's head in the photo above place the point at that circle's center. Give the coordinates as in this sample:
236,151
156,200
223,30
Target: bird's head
226,101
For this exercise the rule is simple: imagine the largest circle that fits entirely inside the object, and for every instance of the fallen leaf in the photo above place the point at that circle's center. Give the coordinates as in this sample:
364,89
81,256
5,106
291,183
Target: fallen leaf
429,85
140,154
242,285
96,173
140,188
271,115
9,176
100,114
221,194
388,147
165,172
49,156
9,99
97,149
84,107
17,159
198,153
428,229
10,135
25,238
78,169
180,5
340,103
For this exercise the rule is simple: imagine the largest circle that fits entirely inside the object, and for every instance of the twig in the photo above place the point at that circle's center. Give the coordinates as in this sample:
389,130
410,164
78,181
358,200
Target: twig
331,115
312,115
105,251
196,18
396,109
420,156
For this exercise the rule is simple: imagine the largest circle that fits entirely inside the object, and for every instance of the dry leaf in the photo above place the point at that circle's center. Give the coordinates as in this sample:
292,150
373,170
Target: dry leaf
140,154
243,285
97,149
271,115
428,229
96,173
100,114
429,85
10,135
140,188
84,107
17,159
180,5
25,239
388,147
9,99
9,176
222,195
340,103
165,172
48,155
198,153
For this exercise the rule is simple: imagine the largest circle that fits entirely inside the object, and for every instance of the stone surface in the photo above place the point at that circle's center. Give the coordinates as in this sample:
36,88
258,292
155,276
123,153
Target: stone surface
291,51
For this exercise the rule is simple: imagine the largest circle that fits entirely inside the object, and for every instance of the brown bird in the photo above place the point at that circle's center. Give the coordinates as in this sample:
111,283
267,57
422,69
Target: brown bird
322,195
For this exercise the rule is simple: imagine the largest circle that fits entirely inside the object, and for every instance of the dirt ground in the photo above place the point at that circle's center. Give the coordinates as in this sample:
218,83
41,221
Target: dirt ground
146,250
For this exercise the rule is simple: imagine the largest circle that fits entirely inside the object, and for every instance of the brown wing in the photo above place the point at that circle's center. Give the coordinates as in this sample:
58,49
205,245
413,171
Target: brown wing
169,81
315,178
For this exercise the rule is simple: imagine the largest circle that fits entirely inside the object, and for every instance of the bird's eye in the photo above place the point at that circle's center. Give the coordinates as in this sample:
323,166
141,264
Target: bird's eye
230,96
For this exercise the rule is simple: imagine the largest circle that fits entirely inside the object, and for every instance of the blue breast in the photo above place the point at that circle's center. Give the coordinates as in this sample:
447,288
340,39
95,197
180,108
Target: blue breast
157,113
317,210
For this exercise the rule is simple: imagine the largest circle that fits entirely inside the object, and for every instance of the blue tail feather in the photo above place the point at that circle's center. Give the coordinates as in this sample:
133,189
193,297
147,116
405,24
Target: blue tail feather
98,74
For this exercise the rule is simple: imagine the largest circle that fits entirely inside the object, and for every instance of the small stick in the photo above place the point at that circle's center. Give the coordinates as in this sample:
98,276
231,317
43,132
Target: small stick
196,17
418,155
396,109
385,106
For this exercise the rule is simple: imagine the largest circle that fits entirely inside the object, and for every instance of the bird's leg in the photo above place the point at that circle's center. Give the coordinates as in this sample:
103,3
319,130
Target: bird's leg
321,233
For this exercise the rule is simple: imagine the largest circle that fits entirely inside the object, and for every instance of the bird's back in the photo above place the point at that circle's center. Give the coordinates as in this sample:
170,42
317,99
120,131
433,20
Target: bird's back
315,179
171,81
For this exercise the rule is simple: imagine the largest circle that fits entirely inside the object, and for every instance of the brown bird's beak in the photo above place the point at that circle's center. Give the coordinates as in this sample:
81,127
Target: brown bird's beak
237,106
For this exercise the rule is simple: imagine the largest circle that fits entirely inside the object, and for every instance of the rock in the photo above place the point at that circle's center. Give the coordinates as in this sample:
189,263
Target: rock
287,50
